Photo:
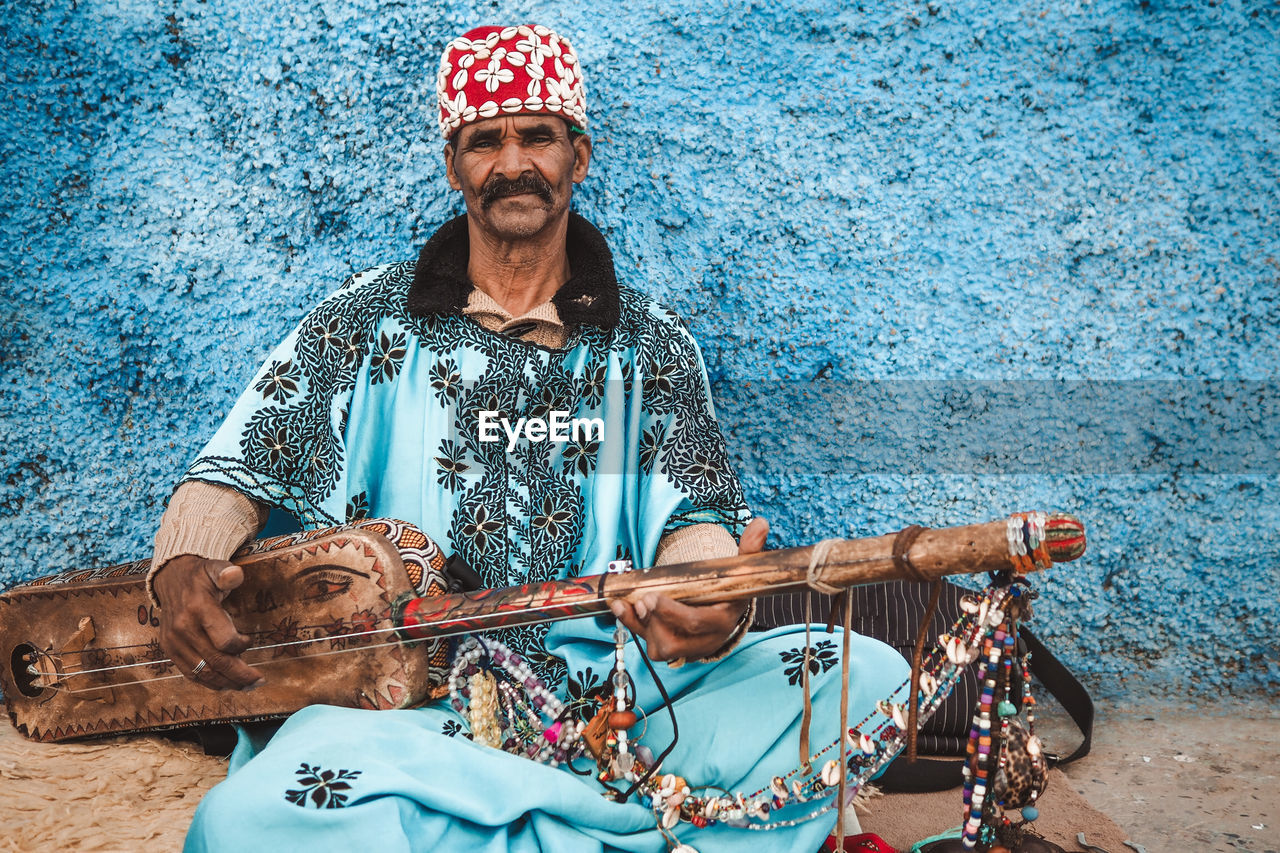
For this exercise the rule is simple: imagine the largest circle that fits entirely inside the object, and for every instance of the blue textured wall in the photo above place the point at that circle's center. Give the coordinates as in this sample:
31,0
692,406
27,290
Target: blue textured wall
849,204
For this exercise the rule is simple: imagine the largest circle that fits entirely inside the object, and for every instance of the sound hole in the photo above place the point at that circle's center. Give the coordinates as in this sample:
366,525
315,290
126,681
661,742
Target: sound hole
23,657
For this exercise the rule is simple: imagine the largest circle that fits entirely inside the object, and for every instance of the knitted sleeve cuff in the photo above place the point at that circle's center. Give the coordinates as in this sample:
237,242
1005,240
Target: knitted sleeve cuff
204,520
695,542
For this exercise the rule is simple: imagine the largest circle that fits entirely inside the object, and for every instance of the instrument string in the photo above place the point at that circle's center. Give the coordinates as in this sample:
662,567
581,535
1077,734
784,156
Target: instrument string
307,640
266,662
443,623
436,634
90,652
440,629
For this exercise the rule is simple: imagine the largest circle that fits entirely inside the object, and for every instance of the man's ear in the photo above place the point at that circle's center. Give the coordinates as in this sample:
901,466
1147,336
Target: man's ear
581,156
450,151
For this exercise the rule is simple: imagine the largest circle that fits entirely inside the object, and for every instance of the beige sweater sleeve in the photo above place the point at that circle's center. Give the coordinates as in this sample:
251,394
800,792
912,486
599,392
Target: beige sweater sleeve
695,542
207,521
704,542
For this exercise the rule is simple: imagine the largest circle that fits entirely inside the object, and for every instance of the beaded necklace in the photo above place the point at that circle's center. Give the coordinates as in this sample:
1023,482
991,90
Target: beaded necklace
507,707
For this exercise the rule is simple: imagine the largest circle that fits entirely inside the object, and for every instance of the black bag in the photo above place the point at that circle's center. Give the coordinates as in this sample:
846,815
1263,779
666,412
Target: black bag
892,613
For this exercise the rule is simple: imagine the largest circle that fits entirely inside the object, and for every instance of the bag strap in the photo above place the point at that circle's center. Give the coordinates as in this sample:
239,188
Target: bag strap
923,776
1067,689
926,775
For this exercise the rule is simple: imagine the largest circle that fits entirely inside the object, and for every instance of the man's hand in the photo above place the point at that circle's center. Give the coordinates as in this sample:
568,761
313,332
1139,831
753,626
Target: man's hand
673,630
194,627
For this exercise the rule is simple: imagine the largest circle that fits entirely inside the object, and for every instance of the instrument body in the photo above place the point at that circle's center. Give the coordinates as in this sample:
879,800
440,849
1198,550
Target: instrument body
95,633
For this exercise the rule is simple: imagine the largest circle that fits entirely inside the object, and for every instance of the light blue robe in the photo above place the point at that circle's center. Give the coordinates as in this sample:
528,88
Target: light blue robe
372,408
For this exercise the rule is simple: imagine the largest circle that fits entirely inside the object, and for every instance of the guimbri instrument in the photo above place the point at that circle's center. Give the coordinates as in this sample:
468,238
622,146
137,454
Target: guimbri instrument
361,616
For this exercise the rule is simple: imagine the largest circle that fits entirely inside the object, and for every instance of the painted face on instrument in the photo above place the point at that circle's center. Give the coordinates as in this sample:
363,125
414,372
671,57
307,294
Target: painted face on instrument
327,594
318,600
516,173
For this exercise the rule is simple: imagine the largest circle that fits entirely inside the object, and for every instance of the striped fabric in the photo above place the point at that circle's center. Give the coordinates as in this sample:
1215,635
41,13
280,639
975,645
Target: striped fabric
892,612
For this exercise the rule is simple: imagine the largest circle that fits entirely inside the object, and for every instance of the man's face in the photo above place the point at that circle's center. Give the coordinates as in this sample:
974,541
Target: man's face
516,173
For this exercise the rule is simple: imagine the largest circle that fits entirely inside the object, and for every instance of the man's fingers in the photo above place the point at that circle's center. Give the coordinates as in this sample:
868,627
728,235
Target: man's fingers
753,538
186,657
222,671
625,613
695,621
219,671
222,632
671,629
635,617
227,671
211,678
225,644
183,655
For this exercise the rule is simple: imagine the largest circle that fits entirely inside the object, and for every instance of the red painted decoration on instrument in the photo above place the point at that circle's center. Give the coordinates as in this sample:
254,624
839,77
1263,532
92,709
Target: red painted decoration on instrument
490,609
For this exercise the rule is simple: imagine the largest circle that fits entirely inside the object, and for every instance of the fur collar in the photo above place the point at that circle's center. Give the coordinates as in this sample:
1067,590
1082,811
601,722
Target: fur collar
590,298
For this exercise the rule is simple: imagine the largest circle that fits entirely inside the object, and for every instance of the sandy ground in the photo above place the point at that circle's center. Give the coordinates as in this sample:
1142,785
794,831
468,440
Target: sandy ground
1183,777
1173,778
124,794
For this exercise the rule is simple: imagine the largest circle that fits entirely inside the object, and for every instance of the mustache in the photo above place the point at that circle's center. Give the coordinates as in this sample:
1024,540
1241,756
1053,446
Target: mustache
499,187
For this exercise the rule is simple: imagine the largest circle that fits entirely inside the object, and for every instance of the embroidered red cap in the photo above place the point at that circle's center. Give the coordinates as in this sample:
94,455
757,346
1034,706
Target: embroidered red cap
494,71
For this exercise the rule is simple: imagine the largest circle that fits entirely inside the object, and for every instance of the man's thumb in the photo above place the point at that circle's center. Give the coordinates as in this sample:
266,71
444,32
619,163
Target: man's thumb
753,538
226,576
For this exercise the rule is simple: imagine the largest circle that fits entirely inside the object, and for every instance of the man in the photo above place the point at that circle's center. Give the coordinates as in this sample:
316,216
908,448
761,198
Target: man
383,402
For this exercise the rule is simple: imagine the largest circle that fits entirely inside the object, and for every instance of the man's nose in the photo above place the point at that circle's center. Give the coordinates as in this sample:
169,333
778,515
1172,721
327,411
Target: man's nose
513,159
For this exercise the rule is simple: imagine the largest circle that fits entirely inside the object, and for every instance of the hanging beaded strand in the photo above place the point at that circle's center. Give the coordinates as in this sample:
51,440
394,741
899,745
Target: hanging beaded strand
622,718
483,712
987,751
979,762
1005,712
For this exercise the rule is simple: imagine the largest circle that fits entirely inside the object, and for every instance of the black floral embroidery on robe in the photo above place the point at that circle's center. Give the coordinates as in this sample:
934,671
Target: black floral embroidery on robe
821,658
321,789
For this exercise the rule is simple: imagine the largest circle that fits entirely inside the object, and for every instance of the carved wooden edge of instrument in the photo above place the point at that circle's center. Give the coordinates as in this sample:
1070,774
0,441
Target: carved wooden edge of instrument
167,719
375,545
